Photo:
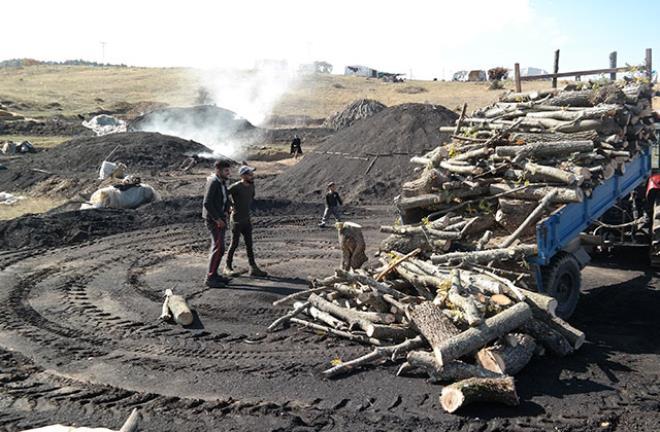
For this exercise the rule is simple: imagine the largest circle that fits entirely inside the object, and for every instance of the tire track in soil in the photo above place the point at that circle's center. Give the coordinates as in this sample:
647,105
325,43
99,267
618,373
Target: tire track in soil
73,275
82,325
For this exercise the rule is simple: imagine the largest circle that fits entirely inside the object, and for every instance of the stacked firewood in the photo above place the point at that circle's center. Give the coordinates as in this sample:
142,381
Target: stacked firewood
454,296
455,320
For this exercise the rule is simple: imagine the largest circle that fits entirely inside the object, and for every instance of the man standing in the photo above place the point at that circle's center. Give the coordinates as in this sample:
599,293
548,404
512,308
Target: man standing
332,203
214,212
242,195
296,149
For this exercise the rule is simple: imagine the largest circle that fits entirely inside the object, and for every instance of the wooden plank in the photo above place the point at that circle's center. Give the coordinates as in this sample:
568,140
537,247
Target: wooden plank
516,71
556,69
613,65
576,73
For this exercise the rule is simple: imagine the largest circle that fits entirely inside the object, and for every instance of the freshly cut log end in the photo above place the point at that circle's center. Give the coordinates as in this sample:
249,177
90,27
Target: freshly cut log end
180,310
457,395
508,359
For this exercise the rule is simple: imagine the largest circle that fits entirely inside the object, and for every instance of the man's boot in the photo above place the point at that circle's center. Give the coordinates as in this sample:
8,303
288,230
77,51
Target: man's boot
256,271
215,282
229,271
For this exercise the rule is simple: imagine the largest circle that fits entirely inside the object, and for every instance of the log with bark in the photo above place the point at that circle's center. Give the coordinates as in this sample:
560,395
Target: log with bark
474,338
456,370
178,308
461,393
509,356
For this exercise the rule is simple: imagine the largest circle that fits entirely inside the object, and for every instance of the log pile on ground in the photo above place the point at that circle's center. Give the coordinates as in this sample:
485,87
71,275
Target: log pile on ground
453,298
360,109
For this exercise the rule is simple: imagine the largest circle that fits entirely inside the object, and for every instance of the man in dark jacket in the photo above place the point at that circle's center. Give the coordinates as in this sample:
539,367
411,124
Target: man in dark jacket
242,195
332,203
296,149
214,212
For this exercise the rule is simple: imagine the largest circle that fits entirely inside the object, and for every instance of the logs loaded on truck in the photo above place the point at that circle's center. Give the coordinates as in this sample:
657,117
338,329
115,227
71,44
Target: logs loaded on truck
483,268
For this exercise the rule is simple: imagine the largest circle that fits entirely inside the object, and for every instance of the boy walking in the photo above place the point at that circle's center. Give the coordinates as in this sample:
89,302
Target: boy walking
332,204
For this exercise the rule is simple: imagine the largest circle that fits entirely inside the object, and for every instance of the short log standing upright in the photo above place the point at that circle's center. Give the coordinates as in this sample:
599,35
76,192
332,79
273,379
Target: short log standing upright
214,212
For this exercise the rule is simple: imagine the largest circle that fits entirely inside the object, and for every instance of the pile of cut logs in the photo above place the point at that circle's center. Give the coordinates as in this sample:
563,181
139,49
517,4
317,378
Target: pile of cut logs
453,297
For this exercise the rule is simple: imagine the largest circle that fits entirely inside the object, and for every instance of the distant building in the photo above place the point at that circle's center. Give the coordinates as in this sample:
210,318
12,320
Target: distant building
363,71
473,75
321,67
532,71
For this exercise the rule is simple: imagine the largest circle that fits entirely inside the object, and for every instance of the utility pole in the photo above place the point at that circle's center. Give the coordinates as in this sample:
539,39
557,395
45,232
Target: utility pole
103,52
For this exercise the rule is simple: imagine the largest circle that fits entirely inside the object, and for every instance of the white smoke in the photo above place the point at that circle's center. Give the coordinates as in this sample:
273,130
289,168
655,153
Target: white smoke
250,94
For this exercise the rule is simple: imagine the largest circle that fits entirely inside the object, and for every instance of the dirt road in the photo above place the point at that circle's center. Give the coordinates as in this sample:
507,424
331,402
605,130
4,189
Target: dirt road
81,344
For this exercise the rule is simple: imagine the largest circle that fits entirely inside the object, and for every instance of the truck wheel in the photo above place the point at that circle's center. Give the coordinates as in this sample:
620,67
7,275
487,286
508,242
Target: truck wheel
561,280
654,251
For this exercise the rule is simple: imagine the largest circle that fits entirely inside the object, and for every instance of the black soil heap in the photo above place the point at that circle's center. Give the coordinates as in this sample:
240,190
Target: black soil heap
82,157
223,122
356,111
368,160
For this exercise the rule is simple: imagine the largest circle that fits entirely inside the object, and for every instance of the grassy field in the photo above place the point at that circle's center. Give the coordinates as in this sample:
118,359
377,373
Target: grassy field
42,91
47,141
28,205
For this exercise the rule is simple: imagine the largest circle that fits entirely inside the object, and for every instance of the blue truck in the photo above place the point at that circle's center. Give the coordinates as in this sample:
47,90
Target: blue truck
561,236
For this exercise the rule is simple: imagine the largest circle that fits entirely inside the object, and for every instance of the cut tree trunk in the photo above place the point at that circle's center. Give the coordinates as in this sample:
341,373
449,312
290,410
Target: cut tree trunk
526,138
546,149
508,358
179,308
537,193
475,338
430,179
456,370
432,323
485,256
574,336
550,173
459,394
552,340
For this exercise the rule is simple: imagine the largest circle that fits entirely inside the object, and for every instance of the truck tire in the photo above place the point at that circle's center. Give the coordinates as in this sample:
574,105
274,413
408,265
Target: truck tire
654,249
561,280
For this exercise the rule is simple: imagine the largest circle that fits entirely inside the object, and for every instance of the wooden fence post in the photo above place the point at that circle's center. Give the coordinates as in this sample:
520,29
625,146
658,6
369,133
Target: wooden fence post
556,69
649,64
516,75
613,65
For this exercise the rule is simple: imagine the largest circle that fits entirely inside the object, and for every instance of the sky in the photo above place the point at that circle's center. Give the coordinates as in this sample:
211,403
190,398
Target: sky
427,39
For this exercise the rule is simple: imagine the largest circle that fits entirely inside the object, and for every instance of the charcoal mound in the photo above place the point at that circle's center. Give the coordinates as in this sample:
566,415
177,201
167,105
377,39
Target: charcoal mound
358,110
81,158
138,150
368,160
220,122
63,228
